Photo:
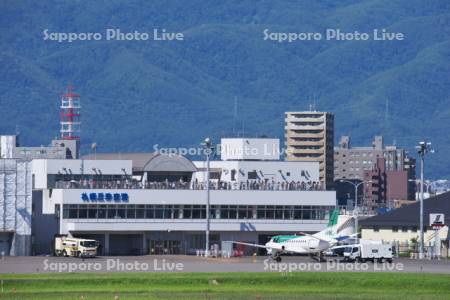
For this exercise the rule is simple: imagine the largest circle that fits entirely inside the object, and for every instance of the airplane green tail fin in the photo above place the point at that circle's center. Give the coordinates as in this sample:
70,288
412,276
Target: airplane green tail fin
334,214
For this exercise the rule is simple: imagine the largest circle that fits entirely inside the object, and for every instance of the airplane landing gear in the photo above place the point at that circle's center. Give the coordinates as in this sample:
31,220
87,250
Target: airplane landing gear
318,257
276,257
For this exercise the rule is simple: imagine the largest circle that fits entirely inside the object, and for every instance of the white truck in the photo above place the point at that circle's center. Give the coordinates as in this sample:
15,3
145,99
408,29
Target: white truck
368,251
67,246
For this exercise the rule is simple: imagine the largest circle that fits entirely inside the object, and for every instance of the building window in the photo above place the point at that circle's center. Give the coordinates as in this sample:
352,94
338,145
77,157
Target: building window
395,229
159,212
140,211
73,211
233,212
111,211
261,212
376,229
279,212
102,211
92,211
132,211
149,212
414,229
121,212
404,229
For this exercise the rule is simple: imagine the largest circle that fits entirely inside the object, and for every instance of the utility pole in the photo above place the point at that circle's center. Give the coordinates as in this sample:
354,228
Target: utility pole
209,149
422,149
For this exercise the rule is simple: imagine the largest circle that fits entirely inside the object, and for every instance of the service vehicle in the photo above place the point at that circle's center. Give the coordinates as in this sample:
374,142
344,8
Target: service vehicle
76,247
368,251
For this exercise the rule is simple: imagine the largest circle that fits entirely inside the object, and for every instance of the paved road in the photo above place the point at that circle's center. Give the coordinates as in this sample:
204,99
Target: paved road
180,263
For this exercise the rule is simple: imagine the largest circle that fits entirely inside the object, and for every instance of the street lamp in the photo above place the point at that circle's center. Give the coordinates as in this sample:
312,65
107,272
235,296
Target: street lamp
427,184
422,149
208,150
356,185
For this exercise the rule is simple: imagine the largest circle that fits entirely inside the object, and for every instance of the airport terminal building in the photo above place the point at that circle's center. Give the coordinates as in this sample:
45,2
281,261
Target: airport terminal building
154,203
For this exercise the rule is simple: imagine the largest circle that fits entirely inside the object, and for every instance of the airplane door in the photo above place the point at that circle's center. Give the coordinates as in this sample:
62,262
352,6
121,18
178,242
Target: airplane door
313,243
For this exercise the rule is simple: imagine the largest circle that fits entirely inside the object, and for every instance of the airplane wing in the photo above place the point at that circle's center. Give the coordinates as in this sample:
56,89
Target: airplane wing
343,238
247,244
338,239
315,237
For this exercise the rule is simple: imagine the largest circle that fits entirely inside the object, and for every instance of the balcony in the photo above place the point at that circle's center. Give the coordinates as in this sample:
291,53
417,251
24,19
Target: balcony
303,118
307,151
293,157
294,142
292,133
294,126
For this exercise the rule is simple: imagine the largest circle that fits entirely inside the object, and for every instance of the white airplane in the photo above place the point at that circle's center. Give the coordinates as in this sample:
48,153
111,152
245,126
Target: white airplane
340,227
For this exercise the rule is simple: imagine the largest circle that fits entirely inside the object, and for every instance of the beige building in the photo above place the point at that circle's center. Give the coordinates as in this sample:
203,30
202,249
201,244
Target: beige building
309,136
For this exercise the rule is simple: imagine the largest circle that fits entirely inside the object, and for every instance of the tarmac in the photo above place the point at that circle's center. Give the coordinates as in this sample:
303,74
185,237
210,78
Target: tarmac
183,263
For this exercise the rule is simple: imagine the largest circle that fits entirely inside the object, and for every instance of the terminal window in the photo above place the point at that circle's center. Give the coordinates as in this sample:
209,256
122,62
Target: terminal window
141,211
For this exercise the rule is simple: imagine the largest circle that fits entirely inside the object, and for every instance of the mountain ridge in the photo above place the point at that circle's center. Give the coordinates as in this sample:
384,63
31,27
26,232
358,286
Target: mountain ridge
138,94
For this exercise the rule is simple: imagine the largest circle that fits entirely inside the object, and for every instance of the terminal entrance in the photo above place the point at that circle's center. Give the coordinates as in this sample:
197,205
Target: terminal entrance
5,243
159,247
125,244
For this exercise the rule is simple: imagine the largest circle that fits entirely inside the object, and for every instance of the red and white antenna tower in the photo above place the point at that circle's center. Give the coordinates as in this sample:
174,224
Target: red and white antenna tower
70,115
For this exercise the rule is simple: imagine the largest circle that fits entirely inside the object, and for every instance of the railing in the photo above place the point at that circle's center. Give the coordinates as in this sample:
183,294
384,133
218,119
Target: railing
261,185
195,185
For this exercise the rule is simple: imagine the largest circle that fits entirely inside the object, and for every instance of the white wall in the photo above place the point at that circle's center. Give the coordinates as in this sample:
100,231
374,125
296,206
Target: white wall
43,167
113,225
251,148
269,170
225,197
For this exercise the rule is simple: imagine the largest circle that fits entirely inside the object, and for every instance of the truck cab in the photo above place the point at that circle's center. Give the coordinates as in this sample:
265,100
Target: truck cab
66,246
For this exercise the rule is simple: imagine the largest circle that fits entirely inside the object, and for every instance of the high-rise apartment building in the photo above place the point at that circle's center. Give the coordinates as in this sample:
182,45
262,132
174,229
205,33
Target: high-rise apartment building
309,136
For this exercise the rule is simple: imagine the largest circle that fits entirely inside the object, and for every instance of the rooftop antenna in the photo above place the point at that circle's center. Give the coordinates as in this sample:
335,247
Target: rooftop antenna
386,111
17,136
314,102
235,114
94,149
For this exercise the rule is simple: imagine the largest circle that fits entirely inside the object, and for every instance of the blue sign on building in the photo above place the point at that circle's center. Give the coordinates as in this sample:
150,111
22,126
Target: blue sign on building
104,197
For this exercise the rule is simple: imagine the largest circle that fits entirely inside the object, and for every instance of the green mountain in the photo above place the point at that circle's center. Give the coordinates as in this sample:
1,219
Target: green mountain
136,94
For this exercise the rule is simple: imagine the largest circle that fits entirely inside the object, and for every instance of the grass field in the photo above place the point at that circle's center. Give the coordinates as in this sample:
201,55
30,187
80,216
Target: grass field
234,286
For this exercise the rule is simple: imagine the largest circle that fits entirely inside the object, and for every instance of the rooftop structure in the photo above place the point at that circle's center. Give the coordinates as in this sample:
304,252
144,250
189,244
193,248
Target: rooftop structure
58,149
249,149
